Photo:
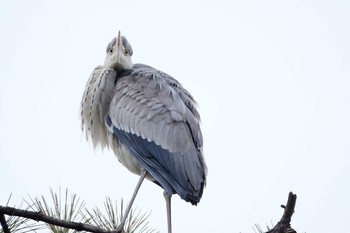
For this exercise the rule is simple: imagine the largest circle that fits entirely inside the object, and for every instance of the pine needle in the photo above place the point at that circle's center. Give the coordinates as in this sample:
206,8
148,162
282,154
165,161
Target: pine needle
135,223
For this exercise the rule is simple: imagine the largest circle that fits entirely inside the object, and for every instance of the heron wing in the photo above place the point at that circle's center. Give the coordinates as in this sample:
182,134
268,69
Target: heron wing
156,118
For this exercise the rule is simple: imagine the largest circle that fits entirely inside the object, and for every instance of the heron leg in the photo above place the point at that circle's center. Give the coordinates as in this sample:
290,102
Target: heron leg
168,210
120,228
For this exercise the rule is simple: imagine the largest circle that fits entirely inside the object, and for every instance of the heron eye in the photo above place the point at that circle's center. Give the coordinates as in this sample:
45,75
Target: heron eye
126,52
110,50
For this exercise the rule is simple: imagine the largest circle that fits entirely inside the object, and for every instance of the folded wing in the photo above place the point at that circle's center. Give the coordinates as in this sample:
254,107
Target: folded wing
156,118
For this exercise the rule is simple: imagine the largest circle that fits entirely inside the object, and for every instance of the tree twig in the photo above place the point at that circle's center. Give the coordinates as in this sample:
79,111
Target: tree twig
283,226
38,216
4,225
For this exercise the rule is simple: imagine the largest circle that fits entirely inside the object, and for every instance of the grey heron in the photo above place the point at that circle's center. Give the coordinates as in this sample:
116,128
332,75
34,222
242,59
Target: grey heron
149,121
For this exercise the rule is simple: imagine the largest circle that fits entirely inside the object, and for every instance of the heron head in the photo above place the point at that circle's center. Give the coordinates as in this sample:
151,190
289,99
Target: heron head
119,53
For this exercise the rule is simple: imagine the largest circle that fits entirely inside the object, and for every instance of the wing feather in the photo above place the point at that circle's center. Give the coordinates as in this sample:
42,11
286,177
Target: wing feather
152,97
133,121
143,128
157,119
158,131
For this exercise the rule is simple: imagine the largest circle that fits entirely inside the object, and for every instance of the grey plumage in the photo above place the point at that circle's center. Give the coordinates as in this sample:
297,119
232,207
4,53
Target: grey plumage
148,119
148,104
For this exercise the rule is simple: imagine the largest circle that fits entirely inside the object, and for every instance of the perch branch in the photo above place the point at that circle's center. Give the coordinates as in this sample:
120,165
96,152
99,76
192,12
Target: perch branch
38,216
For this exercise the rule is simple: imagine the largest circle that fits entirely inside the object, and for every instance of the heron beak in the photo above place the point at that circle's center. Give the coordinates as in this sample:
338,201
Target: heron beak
118,40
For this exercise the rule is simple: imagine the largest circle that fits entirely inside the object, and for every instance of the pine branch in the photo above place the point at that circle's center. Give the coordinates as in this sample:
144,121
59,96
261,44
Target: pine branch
283,226
38,216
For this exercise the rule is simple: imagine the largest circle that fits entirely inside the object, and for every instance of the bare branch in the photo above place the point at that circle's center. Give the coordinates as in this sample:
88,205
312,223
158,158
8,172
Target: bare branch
283,226
38,216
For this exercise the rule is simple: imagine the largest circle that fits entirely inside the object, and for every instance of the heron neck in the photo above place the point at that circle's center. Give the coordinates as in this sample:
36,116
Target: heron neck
95,105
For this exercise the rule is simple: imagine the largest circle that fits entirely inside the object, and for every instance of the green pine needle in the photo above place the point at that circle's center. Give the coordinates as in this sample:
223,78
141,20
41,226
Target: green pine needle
66,209
69,207
135,223
18,224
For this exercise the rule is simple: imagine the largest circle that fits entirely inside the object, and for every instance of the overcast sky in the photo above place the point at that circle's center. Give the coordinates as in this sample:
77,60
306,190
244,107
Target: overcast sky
272,80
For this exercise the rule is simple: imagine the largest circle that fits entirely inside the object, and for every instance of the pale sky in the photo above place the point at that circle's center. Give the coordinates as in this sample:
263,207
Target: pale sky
272,80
